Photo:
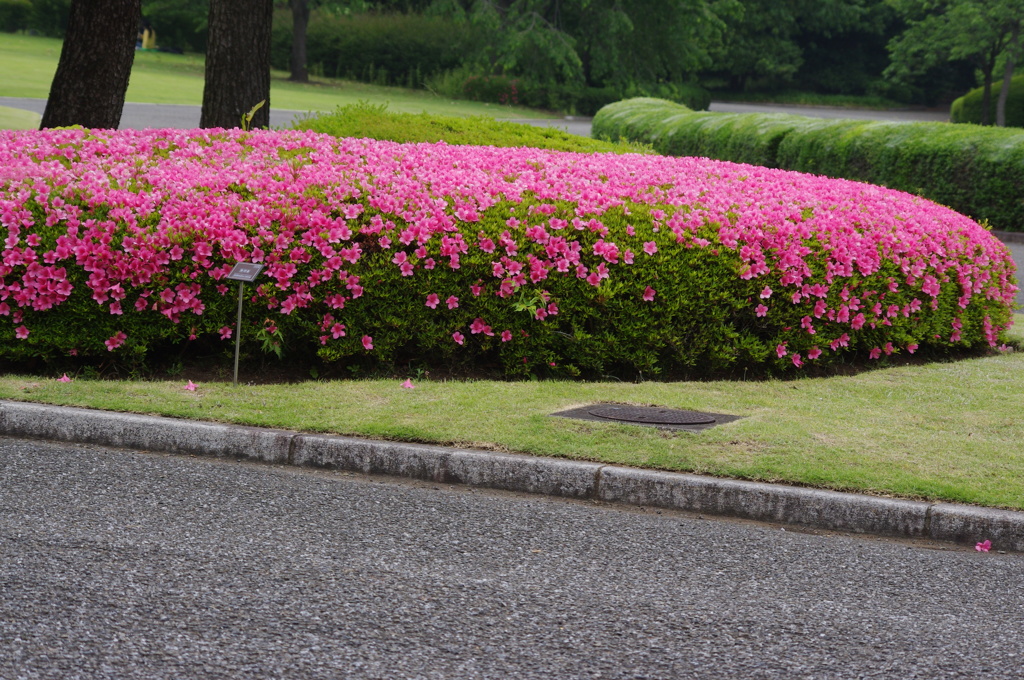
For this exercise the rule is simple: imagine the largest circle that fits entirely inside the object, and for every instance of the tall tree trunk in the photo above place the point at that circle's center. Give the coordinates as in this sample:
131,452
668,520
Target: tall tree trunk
96,59
237,63
987,66
1004,91
300,22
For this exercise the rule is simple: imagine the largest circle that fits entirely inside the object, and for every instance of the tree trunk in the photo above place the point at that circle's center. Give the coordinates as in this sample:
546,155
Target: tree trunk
237,63
1004,91
300,22
95,62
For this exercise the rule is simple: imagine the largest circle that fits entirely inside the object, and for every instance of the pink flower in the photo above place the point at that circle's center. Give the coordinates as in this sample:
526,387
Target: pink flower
432,300
781,350
766,293
367,342
984,546
761,310
813,353
408,384
225,332
478,326
875,353
453,302
114,342
912,347
506,336
64,378
797,361
21,332
190,386
458,337
648,294
650,247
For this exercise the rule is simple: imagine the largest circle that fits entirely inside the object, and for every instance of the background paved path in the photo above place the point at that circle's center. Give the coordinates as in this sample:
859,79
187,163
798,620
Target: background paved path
116,564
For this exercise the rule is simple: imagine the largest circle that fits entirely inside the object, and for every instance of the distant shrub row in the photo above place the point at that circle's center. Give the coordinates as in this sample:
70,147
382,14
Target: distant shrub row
371,121
967,109
15,15
363,46
978,171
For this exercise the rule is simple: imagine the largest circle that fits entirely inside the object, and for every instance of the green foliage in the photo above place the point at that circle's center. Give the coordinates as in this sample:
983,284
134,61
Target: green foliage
376,122
978,171
179,24
15,15
967,109
832,46
50,17
975,31
676,131
576,44
384,49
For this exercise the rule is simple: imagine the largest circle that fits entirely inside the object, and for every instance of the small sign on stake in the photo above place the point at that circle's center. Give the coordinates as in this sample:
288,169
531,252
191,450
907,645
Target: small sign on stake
243,272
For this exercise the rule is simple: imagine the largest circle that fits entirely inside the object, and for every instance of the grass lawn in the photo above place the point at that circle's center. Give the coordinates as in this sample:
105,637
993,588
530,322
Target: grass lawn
29,63
941,431
18,119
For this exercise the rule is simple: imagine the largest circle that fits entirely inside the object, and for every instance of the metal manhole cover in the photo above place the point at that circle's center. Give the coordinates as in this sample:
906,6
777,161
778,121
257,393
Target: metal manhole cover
652,415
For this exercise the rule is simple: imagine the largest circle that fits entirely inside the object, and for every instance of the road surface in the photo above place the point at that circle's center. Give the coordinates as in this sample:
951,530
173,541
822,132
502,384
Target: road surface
116,564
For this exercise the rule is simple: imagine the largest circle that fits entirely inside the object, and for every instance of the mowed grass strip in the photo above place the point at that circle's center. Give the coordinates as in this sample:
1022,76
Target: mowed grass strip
18,119
941,431
159,78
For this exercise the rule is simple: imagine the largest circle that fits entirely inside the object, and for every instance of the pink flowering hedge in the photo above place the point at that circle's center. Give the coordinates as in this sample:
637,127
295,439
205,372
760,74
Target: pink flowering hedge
117,244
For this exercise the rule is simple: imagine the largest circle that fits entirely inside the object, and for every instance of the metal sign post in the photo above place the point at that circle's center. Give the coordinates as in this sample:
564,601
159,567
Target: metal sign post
243,272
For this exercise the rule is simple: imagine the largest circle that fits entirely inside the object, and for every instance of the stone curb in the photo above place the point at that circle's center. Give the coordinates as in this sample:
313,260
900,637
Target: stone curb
528,474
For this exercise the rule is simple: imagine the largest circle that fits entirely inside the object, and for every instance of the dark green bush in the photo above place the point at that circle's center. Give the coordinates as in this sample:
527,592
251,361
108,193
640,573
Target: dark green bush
179,24
375,122
967,109
15,15
978,171
386,49
50,17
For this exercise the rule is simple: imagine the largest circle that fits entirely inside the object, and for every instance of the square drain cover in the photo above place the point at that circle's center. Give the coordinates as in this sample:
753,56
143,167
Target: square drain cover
654,416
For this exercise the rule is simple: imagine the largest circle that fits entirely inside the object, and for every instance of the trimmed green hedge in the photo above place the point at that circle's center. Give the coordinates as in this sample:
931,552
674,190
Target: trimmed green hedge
376,122
363,46
967,109
978,171
15,15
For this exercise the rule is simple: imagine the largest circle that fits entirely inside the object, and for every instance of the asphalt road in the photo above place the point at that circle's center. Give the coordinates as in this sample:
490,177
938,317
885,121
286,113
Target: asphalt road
115,564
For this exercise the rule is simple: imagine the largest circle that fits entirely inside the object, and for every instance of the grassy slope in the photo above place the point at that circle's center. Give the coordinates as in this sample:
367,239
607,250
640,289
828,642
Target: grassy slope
29,64
946,431
18,119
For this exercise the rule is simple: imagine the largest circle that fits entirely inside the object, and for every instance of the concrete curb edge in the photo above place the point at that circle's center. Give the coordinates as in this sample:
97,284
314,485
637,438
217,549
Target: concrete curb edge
831,510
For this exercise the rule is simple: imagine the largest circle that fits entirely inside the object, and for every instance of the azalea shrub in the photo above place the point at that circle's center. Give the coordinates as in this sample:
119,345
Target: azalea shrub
118,244
976,170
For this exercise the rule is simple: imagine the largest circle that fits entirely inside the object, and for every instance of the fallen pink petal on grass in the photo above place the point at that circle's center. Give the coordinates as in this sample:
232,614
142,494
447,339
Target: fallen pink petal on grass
64,378
190,386
408,384
984,546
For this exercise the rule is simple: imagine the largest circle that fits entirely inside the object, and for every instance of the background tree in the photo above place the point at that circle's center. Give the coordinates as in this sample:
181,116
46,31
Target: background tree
594,42
237,63
979,31
96,59
300,22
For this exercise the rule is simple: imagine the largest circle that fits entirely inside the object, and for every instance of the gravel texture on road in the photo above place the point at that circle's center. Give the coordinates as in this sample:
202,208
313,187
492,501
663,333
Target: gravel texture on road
116,564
